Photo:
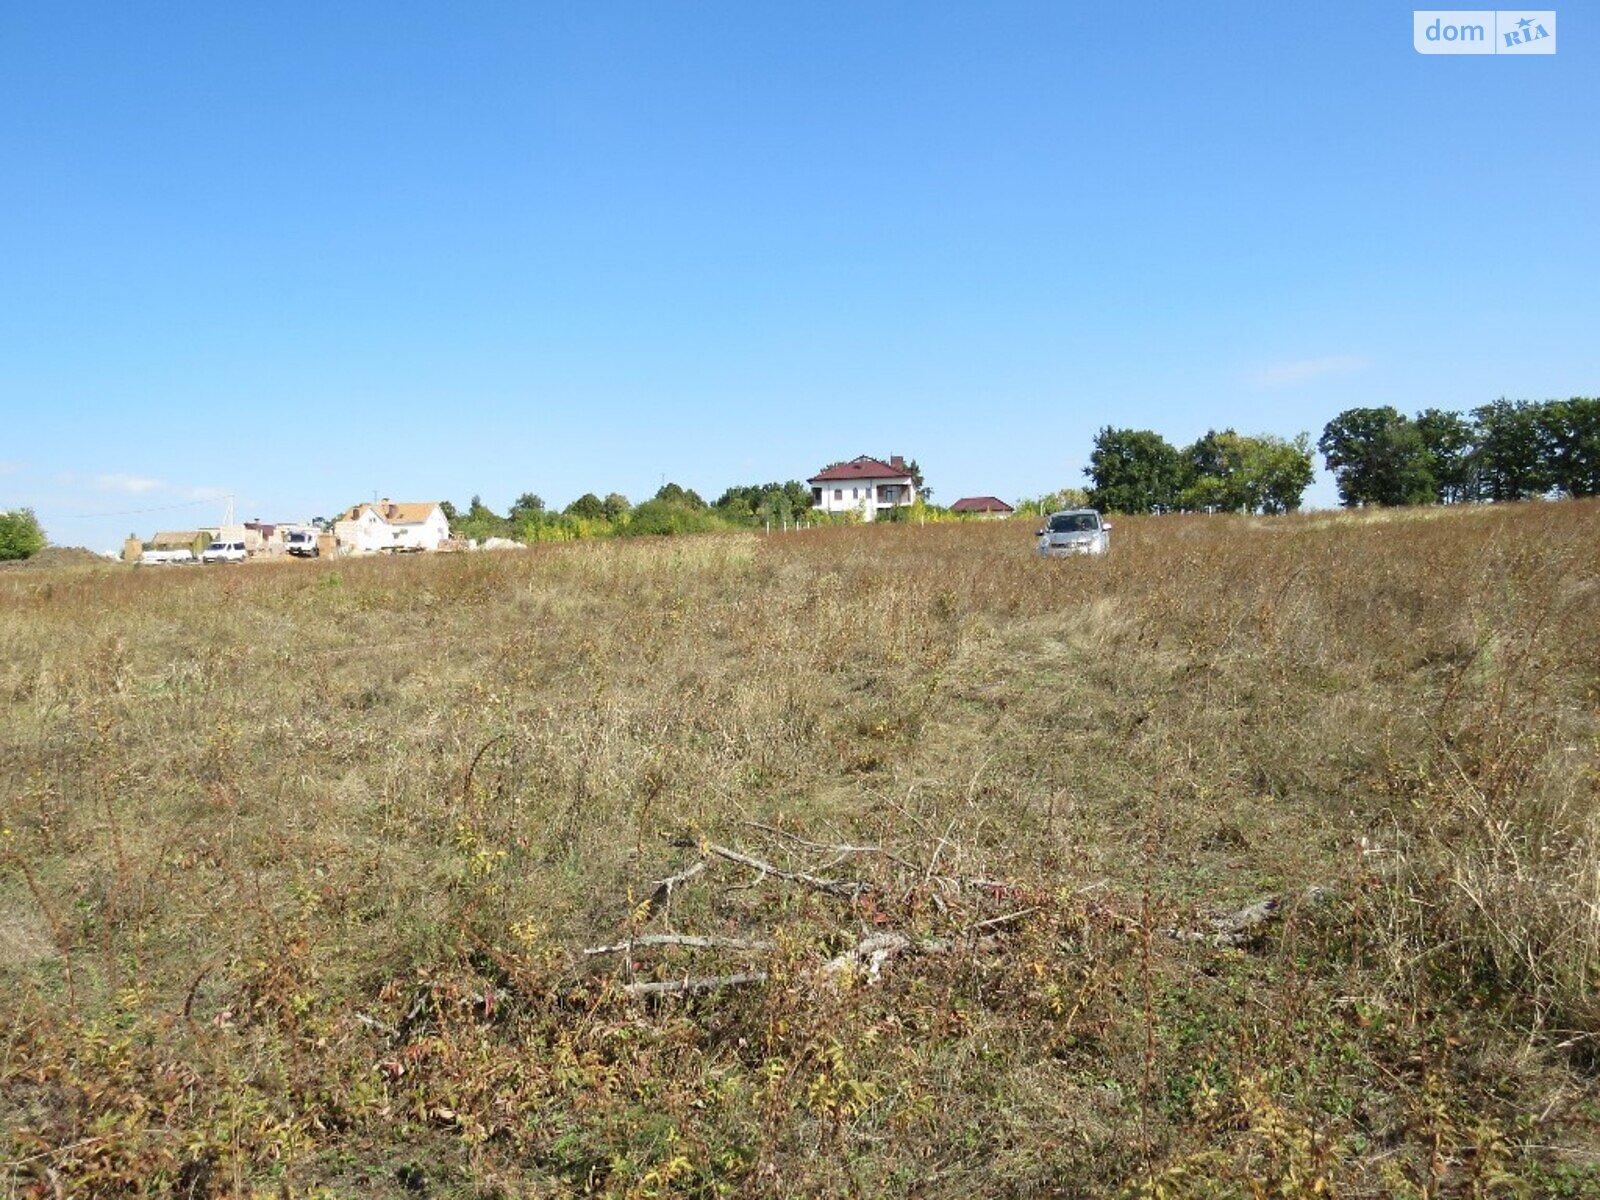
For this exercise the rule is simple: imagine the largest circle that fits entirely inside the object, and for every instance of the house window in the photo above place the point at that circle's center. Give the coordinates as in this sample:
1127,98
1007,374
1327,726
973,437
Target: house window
838,493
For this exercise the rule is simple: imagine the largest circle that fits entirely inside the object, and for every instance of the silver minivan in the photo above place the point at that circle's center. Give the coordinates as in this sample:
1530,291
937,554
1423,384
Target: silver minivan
1075,531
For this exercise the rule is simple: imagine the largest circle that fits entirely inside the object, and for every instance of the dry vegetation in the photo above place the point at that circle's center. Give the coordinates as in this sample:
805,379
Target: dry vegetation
300,863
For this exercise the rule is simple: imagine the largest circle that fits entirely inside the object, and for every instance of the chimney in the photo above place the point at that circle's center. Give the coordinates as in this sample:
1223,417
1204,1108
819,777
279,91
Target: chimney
898,463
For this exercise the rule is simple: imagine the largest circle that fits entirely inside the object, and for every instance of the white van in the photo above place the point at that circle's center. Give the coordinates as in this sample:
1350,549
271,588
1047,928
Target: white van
223,552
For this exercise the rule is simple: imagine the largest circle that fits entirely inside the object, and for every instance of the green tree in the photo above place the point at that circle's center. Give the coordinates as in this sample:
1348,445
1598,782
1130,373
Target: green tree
1449,439
1277,472
588,506
1377,456
1513,460
524,507
480,522
617,507
671,493
739,501
1214,470
1133,471
665,517
1570,435
758,503
20,535
1056,501
918,484
1230,472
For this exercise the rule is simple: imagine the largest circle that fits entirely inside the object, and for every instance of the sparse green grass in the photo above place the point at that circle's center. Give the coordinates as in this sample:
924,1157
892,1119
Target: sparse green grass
299,863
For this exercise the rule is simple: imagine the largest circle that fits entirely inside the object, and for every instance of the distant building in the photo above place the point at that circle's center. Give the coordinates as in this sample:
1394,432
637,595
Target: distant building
388,526
182,539
983,506
864,485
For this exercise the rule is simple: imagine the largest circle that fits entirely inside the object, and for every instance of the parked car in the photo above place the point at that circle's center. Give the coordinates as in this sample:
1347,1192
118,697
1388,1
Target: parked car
223,552
1075,531
301,544
161,558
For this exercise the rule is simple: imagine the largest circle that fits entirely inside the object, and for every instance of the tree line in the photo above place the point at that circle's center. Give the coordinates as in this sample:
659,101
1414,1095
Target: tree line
673,509
1507,450
1138,470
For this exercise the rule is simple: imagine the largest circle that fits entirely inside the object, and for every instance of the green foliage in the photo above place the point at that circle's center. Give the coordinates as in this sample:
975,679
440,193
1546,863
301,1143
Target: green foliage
1216,474
918,484
20,535
1056,501
1507,450
525,506
1449,439
589,507
1377,456
671,493
1277,472
617,506
759,503
662,518
480,522
1570,432
1511,453
1229,472
1134,471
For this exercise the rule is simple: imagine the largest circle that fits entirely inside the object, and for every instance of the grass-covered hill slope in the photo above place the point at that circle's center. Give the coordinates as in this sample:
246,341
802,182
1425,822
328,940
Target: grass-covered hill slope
1260,858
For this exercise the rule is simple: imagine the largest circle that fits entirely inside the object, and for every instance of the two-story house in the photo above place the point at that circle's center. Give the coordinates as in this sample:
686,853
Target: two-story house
865,485
387,526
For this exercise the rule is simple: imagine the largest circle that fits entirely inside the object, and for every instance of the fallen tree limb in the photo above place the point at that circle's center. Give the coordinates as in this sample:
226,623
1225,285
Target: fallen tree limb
869,955
1244,925
1005,922
848,889
688,941
665,887
689,986
842,850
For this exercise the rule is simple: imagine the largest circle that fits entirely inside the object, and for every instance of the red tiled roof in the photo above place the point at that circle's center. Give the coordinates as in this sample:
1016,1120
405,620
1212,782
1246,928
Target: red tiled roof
981,504
859,468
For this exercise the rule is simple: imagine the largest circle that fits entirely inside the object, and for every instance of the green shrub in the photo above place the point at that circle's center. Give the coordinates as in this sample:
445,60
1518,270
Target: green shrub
20,535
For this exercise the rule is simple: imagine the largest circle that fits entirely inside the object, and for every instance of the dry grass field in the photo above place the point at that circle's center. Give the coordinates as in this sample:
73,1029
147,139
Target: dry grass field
300,863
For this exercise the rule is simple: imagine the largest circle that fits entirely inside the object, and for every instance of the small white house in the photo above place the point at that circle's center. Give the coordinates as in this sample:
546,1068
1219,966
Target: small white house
863,485
390,527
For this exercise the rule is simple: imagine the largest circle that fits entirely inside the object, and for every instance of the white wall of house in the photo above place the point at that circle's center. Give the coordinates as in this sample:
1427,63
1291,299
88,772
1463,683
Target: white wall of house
865,496
429,535
369,533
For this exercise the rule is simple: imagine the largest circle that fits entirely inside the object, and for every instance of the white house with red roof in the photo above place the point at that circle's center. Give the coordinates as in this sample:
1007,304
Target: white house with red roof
863,485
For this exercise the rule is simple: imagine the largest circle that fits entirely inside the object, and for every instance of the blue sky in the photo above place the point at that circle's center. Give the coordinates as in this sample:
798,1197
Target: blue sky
304,253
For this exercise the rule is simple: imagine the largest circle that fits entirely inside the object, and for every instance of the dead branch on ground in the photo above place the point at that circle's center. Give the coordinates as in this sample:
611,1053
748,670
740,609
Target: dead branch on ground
1244,925
691,985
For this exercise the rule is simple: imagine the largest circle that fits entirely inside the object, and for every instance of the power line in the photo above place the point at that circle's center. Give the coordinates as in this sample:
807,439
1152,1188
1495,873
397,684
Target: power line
132,512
